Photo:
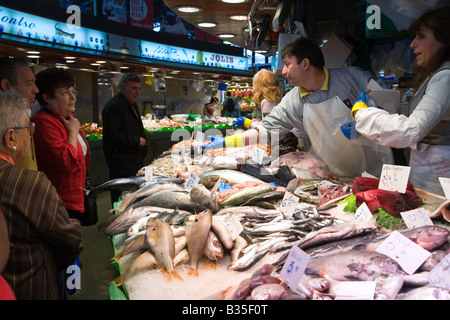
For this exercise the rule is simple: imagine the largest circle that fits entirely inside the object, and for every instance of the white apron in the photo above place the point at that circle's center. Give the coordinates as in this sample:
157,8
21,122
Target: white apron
346,158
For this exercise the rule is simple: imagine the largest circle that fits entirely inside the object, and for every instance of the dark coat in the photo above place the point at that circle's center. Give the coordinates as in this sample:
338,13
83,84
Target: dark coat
122,129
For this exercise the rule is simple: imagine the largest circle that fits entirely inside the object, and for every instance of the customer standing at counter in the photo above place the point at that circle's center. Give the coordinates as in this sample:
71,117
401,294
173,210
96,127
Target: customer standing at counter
124,138
62,151
426,129
16,75
266,90
44,240
318,105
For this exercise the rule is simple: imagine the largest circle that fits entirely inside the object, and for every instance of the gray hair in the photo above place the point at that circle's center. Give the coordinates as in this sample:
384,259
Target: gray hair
127,77
13,112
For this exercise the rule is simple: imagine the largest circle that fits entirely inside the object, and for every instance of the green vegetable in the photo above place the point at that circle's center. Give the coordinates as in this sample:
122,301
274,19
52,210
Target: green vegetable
351,203
386,220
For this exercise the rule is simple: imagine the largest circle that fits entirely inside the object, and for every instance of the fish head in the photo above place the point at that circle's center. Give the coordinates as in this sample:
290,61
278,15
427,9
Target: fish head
218,249
430,237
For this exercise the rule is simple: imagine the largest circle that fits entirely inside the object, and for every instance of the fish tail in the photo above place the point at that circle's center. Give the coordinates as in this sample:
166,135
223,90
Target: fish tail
119,280
193,271
116,257
176,275
211,265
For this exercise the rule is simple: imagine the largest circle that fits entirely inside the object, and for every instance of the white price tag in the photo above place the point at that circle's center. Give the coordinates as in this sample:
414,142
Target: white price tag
416,218
409,255
233,225
440,275
355,290
294,267
394,178
363,213
258,155
445,183
288,204
192,181
148,173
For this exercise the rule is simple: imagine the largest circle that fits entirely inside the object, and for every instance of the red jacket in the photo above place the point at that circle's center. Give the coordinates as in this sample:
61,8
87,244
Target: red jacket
64,166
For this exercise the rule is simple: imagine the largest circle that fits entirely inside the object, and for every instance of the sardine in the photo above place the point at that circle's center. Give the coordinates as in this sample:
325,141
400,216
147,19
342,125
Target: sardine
160,239
196,236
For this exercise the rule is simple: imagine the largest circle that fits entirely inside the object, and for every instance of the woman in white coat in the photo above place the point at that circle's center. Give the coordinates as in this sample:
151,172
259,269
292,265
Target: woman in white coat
426,128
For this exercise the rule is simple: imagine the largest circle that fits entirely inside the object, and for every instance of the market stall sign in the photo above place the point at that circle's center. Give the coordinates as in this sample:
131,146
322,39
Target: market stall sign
158,51
28,28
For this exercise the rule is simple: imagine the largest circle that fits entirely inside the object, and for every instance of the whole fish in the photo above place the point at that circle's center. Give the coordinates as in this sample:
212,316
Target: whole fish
160,239
196,236
244,195
388,287
269,291
269,196
203,196
222,232
123,184
146,191
145,261
171,200
335,232
426,293
353,265
136,245
232,177
238,245
213,249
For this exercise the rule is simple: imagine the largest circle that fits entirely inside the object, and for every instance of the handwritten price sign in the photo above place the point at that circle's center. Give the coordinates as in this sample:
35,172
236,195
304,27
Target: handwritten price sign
192,181
416,218
294,267
394,178
288,204
440,275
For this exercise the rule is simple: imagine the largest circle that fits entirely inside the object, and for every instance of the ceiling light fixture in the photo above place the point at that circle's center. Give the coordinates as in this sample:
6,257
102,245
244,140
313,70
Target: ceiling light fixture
189,9
234,1
33,56
33,52
226,36
239,17
206,24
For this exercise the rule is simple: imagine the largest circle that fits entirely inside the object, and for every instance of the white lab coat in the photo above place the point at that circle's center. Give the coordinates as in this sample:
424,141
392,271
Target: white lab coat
425,130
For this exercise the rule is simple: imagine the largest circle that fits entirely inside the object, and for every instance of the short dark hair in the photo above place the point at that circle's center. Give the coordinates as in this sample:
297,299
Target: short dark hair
50,79
127,77
8,69
304,48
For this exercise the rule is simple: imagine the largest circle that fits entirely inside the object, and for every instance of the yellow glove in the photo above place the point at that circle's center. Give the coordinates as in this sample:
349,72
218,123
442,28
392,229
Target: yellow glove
234,141
359,104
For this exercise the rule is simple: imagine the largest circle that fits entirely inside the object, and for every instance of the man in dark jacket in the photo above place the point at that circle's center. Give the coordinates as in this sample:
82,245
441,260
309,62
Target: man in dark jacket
124,138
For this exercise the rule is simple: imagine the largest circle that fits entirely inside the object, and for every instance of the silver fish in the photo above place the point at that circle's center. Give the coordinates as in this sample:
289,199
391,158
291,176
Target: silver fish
242,196
172,200
232,177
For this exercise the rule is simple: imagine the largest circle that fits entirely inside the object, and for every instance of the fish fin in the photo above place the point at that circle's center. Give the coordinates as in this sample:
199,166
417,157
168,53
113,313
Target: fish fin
322,272
193,272
216,186
119,280
211,265
359,247
176,275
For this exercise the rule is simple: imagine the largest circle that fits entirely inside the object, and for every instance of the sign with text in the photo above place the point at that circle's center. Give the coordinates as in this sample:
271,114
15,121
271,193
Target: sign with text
294,267
445,183
394,178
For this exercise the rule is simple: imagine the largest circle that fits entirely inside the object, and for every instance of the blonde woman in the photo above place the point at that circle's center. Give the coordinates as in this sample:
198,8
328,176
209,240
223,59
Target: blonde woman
266,90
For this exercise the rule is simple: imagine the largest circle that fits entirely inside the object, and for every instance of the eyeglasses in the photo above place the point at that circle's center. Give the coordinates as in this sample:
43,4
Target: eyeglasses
31,127
66,94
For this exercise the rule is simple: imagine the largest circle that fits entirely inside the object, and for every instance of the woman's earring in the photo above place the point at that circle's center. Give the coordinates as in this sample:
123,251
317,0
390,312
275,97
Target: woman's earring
14,148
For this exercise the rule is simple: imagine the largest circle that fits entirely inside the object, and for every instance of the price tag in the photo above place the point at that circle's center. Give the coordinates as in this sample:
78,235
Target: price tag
405,252
394,178
233,225
440,275
445,183
355,290
192,181
148,173
258,155
199,136
363,213
288,204
294,267
416,218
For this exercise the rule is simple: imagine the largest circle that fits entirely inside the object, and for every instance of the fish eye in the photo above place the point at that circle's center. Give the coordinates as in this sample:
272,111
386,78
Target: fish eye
216,243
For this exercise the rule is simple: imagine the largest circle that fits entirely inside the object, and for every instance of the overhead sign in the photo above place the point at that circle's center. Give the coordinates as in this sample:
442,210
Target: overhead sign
165,52
30,27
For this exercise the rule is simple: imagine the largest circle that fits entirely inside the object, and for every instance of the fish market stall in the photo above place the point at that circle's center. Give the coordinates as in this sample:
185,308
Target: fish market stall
214,227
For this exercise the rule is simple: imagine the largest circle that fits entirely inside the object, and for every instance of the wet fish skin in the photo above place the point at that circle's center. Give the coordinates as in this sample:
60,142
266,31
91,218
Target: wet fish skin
353,265
213,248
160,239
171,200
222,232
196,236
244,195
426,293
124,184
232,177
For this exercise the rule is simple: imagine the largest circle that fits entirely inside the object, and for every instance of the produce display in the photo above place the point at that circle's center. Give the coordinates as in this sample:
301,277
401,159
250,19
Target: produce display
212,226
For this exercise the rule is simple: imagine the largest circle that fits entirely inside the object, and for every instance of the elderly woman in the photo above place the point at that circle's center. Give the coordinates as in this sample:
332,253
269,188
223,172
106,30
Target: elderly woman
426,129
62,151
44,240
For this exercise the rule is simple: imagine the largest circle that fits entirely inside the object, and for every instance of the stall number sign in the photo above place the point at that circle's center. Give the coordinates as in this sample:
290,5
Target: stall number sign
394,178
409,255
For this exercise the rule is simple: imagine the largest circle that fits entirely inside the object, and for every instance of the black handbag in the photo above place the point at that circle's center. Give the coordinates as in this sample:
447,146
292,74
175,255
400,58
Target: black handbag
89,217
